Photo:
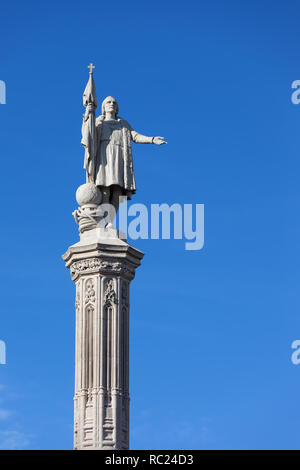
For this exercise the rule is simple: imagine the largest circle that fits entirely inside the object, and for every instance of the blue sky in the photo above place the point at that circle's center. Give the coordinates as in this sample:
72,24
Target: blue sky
211,330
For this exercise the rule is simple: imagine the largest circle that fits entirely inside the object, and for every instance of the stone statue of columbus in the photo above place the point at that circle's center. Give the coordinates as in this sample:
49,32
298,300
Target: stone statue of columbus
107,142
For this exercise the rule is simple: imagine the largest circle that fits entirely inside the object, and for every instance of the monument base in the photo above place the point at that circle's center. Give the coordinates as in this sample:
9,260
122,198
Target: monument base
102,265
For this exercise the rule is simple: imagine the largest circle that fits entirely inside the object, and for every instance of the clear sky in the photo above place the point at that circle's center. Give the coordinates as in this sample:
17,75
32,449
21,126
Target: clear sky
211,330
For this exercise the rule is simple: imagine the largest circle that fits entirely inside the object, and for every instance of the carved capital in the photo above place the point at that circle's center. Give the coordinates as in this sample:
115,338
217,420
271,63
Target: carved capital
103,266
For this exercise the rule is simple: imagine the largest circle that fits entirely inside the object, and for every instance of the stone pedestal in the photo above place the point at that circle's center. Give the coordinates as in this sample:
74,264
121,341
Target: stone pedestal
102,266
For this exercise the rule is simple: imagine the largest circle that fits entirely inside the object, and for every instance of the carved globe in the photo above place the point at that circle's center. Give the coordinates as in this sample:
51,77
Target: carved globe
88,194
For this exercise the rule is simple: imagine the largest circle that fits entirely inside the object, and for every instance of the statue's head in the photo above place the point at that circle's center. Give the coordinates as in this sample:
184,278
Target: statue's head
110,105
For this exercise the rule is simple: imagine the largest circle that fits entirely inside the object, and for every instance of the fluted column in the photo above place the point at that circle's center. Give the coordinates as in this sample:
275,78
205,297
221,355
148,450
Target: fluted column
102,272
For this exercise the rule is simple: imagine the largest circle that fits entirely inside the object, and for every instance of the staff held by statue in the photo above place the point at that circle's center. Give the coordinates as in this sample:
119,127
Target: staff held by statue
89,133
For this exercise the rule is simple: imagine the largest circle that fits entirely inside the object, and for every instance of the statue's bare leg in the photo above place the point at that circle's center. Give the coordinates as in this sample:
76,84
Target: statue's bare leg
106,194
115,198
111,198
115,193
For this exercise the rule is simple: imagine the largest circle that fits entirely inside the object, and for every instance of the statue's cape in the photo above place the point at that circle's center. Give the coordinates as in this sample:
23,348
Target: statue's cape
129,180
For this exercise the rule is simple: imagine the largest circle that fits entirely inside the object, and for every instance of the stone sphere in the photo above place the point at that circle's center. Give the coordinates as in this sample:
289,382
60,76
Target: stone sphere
88,194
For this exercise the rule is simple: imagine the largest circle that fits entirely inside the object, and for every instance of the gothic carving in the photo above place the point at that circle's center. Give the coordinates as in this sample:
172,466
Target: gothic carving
95,265
110,296
90,294
77,299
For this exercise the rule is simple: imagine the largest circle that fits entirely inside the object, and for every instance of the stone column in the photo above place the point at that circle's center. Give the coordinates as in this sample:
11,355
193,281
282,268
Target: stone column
102,267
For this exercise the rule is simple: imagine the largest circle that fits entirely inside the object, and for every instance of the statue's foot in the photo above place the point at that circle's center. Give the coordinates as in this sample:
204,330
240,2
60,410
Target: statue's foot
109,225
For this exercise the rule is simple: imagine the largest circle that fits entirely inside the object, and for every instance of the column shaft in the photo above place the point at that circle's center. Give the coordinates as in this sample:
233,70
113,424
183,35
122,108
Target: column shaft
102,273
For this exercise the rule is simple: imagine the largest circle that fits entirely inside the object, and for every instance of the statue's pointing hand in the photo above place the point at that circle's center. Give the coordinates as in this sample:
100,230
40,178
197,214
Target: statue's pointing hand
159,140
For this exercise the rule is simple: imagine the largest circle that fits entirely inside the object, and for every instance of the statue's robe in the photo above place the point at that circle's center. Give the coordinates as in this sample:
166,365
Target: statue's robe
114,163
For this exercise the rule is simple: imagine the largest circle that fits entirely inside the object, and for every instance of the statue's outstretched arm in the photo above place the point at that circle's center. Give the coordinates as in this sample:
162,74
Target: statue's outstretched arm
144,139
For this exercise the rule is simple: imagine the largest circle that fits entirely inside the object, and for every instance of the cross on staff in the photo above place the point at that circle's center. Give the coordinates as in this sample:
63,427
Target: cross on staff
91,67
